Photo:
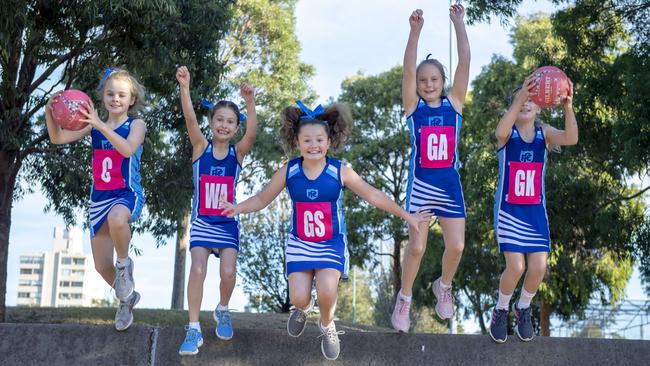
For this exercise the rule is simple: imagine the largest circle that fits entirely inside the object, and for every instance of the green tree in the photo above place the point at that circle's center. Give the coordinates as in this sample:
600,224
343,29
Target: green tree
261,261
51,45
364,302
591,230
379,151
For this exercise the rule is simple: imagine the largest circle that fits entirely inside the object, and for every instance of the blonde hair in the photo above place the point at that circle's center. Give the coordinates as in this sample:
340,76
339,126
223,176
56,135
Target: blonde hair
136,89
538,123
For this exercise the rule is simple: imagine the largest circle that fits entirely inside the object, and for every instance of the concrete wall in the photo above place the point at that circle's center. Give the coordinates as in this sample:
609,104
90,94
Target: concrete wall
46,344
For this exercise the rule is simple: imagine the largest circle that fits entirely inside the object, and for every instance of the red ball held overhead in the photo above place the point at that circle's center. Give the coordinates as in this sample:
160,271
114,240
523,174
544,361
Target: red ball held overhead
66,109
551,85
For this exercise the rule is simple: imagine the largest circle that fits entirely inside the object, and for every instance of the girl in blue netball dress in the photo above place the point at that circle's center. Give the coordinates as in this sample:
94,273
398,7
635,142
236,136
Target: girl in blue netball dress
434,120
116,198
520,219
316,246
215,165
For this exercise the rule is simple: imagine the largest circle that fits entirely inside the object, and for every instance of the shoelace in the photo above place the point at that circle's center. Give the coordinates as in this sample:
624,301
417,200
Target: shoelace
224,317
192,335
524,316
332,334
446,295
404,307
500,317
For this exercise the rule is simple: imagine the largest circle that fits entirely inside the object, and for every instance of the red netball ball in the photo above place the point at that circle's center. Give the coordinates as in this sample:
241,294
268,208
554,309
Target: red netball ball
66,109
551,86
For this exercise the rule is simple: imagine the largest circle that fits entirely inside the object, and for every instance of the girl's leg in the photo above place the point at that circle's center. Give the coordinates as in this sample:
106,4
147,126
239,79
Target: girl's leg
198,270
102,248
118,225
300,284
327,287
515,265
228,272
413,255
453,234
534,277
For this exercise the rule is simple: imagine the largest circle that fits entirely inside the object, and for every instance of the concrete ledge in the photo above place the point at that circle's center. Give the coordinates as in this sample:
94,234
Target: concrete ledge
73,344
77,344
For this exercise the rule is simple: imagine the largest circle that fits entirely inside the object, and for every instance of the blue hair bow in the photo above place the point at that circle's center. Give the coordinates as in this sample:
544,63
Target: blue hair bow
106,74
309,114
208,104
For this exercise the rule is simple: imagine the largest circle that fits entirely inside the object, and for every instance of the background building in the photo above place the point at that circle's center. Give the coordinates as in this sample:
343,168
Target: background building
64,276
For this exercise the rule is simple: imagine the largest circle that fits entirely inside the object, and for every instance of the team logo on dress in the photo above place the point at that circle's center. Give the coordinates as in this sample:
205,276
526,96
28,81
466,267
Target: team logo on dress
435,120
106,145
526,156
217,171
312,194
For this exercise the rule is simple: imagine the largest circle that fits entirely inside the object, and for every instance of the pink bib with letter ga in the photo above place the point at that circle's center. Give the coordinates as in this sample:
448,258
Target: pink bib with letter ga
524,183
107,170
314,220
437,146
212,190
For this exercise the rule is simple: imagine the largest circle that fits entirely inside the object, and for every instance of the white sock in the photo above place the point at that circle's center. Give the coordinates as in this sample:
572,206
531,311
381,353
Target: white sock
324,329
222,307
525,299
122,262
444,286
504,301
404,297
195,325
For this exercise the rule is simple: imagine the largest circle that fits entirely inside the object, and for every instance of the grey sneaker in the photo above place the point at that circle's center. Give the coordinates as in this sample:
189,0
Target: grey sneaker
124,283
523,323
298,319
329,344
499,325
124,315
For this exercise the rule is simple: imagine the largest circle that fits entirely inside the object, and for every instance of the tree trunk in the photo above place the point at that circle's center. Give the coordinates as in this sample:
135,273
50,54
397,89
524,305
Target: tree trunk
545,319
9,166
397,263
182,238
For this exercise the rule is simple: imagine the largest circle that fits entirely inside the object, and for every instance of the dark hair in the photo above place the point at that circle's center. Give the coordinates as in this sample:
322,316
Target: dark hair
337,120
437,64
226,104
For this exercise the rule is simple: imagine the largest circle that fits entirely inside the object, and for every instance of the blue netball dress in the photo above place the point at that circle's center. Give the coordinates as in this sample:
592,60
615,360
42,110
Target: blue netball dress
214,180
318,238
434,183
116,179
520,220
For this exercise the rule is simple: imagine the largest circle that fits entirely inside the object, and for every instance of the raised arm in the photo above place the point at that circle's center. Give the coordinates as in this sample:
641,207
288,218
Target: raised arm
260,200
378,198
246,143
197,139
409,81
504,128
458,90
568,136
57,134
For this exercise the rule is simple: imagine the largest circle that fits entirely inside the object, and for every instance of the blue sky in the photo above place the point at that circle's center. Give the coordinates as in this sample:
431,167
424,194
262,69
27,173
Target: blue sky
339,38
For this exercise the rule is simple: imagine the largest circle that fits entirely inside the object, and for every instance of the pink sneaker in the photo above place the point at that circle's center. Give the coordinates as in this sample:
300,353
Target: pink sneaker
400,318
445,305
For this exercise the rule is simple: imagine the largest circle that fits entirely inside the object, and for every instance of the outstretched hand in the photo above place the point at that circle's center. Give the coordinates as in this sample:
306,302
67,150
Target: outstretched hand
247,92
183,77
414,220
416,20
456,13
568,100
229,209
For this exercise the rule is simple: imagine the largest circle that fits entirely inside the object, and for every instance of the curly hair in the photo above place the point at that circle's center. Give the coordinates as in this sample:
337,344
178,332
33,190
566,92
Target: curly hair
337,120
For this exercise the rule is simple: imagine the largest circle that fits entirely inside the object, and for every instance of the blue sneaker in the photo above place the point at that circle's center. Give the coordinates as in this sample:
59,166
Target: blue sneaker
499,325
224,324
193,340
523,323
